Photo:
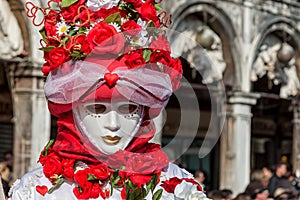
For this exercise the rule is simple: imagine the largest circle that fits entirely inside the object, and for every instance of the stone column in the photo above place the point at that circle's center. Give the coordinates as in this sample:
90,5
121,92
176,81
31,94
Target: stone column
296,138
235,142
31,117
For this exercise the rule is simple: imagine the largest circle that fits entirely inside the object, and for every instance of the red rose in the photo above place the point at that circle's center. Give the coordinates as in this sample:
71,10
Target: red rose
161,43
79,43
82,193
131,28
86,17
135,3
135,59
104,13
81,177
70,12
175,72
104,38
56,57
140,180
169,185
96,191
160,56
45,69
100,171
148,12
68,173
51,20
105,194
123,193
52,166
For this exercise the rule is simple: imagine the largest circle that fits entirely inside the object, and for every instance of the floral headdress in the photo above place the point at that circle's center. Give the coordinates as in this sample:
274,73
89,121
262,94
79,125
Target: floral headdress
134,29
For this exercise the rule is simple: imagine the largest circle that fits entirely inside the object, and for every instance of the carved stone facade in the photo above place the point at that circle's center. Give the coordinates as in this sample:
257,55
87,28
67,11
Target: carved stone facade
253,48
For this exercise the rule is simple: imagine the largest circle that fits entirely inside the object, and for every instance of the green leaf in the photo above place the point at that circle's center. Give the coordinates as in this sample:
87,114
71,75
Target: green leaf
43,33
147,54
158,7
157,195
91,177
113,18
67,3
58,183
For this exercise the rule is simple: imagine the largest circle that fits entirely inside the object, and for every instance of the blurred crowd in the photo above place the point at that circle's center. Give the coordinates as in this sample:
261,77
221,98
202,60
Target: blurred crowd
276,183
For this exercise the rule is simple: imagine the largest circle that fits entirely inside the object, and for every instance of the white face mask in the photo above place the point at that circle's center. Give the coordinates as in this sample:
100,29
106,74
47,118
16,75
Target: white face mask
110,126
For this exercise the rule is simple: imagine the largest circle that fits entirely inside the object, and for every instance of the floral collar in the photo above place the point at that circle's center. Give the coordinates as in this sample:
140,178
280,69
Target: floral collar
92,179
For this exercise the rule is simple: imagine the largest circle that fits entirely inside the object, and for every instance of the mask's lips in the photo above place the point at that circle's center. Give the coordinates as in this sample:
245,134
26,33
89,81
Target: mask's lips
111,140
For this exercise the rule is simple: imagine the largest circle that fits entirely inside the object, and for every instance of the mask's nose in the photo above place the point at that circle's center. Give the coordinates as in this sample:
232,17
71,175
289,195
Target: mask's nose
112,121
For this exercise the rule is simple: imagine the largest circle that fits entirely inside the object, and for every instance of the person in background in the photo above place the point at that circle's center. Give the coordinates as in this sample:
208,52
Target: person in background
280,180
257,191
6,168
200,177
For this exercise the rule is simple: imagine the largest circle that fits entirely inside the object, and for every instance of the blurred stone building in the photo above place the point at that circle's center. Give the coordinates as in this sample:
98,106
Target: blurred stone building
252,49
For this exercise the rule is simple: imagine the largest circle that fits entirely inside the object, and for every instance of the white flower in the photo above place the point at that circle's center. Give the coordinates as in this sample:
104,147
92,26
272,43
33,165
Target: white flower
188,191
62,28
117,27
95,5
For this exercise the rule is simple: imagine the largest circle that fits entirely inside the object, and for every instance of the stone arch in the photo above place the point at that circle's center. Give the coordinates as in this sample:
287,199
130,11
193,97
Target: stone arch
223,27
283,31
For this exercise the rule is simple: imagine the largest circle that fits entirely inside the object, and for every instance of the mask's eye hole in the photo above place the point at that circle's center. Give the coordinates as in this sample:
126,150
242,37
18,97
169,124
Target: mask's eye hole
127,108
96,108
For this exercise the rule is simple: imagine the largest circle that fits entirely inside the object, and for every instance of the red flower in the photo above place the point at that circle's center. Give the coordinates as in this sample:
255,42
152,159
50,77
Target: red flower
175,72
56,57
100,172
169,185
52,166
82,193
140,180
50,21
131,28
68,173
148,12
81,177
135,3
45,69
104,38
161,43
96,191
80,43
135,59
123,193
103,13
70,12
160,56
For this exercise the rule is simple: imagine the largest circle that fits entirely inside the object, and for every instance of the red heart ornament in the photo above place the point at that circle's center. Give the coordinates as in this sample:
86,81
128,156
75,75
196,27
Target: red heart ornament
42,189
111,79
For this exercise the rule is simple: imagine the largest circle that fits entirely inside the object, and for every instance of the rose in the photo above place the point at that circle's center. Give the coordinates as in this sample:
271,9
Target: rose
52,166
86,17
103,38
82,193
134,59
135,3
139,179
96,191
169,185
68,173
70,12
161,43
50,20
81,177
80,43
162,57
104,13
131,28
56,57
100,172
175,72
148,12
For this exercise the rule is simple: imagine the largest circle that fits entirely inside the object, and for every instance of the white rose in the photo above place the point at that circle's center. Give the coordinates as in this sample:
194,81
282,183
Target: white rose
95,5
188,191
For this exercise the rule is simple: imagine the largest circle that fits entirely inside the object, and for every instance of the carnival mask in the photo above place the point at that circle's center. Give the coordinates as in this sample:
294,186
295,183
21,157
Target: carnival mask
109,126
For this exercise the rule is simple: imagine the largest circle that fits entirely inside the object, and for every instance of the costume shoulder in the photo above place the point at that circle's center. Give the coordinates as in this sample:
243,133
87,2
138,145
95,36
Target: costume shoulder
176,171
26,188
